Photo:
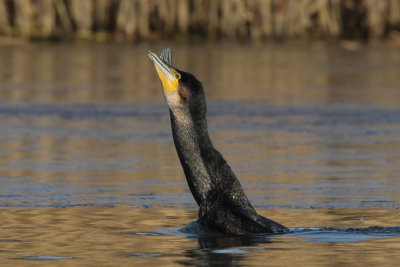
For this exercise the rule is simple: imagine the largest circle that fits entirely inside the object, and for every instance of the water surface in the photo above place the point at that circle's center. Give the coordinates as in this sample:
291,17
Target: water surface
89,174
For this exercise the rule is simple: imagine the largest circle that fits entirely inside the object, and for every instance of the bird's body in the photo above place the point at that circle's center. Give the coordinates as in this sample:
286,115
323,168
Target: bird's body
223,205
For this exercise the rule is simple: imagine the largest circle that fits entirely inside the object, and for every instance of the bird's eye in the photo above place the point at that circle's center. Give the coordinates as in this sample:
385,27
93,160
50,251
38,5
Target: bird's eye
178,76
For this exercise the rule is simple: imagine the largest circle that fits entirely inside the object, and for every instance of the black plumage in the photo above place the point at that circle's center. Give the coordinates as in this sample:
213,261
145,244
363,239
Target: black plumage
223,205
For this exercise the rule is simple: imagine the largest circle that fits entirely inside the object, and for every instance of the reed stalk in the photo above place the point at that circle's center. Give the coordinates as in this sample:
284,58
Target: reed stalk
255,20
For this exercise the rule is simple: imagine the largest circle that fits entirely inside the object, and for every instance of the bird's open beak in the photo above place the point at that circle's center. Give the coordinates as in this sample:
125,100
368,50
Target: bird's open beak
167,74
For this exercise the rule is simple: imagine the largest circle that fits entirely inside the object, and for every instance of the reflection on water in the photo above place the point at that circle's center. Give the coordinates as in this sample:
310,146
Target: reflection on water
277,74
287,157
98,235
88,172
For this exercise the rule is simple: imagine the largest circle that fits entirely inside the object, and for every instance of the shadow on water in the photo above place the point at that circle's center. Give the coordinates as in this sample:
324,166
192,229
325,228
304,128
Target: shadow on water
332,234
223,249
217,248
212,240
213,247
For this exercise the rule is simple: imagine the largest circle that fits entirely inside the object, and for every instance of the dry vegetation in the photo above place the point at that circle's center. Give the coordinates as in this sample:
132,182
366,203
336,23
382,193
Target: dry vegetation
131,20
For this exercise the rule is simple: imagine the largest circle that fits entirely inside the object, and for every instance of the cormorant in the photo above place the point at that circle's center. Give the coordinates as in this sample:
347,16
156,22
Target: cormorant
223,205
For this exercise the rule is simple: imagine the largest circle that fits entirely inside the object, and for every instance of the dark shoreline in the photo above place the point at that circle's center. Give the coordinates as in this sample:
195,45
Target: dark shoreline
201,20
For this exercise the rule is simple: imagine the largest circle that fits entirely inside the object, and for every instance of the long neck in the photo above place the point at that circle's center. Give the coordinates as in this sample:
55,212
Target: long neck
187,143
205,168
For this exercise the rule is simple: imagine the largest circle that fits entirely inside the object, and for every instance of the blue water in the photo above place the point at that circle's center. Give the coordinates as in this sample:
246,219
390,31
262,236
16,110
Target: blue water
328,152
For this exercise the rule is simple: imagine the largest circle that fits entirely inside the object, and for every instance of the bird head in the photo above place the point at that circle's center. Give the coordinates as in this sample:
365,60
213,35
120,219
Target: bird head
181,89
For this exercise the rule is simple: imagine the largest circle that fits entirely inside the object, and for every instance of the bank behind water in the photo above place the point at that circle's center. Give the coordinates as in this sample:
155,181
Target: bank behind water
245,20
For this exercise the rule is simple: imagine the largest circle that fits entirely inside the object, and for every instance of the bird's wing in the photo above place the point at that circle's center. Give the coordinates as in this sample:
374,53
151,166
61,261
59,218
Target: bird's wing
249,216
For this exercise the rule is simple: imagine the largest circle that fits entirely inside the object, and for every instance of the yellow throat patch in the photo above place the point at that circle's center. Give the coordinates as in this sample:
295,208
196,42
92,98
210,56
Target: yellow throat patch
167,84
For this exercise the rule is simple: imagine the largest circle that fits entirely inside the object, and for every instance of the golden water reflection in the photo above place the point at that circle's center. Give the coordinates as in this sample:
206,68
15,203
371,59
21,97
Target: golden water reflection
279,74
97,236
